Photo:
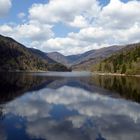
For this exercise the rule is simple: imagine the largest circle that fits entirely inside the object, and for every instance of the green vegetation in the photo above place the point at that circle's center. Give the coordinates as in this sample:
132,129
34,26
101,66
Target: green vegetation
16,57
126,87
127,61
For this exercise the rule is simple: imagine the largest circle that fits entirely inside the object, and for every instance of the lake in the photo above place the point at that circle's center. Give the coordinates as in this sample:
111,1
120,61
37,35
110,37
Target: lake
69,106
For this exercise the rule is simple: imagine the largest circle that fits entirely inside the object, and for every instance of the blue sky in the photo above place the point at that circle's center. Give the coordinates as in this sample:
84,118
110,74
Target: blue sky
70,26
19,6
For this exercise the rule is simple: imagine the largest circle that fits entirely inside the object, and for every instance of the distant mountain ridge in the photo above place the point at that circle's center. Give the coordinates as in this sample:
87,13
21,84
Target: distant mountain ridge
58,57
85,60
16,57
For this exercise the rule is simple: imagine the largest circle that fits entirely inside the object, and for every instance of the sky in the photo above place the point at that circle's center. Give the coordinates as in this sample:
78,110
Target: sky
70,26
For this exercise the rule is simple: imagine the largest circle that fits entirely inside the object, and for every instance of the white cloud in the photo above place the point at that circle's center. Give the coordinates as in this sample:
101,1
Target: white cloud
5,6
5,29
35,32
66,45
88,38
79,21
21,15
63,11
119,15
28,32
116,23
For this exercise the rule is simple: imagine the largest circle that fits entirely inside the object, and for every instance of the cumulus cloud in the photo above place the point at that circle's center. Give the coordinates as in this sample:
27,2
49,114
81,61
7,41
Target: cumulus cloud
29,32
79,21
35,32
118,23
5,6
119,15
6,29
114,24
64,11
59,43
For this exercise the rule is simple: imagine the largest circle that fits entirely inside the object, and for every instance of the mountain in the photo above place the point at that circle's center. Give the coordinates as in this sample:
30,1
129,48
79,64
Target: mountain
94,56
126,61
42,55
58,57
85,60
15,56
53,65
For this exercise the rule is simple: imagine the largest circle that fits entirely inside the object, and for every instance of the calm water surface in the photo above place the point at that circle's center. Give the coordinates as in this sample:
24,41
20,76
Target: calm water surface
69,106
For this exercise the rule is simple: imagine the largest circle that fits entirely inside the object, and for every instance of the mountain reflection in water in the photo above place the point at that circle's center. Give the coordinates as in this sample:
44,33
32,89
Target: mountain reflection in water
41,107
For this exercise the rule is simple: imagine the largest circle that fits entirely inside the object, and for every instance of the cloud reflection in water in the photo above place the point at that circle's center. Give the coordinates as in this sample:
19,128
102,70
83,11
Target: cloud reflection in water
95,115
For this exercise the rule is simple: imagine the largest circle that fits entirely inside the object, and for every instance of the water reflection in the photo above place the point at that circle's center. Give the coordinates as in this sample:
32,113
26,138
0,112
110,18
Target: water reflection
65,108
13,85
127,87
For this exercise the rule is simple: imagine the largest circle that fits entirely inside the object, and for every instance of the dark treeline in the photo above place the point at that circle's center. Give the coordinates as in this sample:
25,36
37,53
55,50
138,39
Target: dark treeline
126,87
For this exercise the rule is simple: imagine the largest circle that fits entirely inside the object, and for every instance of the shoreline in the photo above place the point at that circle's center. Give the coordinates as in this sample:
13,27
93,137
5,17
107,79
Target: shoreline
92,73
114,74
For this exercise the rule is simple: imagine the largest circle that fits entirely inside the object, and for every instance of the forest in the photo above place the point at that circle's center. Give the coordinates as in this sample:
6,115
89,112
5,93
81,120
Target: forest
126,61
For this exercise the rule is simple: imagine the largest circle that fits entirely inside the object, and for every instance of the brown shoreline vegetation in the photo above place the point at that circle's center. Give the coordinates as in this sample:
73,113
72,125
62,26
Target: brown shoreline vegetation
114,74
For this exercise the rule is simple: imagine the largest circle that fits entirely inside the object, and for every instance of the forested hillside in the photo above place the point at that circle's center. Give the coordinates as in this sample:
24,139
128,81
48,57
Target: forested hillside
127,61
15,56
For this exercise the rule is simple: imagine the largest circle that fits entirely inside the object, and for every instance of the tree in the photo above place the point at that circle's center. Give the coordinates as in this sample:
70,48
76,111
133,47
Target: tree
123,69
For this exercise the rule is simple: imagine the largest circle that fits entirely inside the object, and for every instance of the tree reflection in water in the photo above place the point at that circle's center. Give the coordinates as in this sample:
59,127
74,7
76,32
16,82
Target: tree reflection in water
127,87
